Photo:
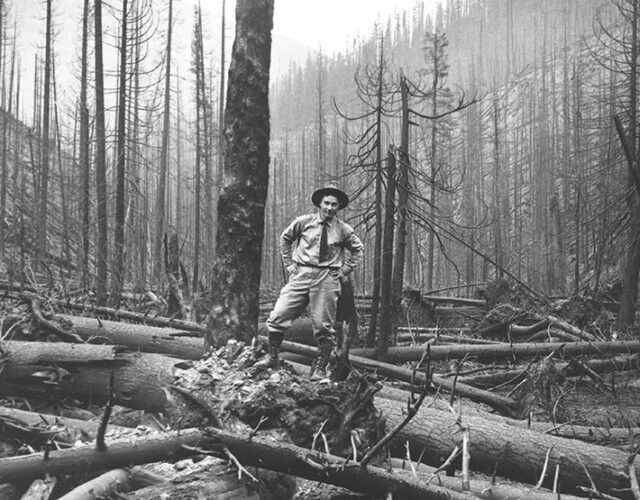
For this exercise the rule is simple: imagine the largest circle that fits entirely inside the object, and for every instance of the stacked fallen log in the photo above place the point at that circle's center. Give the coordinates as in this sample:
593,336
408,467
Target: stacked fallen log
82,371
182,344
499,352
497,449
505,405
141,318
572,368
494,446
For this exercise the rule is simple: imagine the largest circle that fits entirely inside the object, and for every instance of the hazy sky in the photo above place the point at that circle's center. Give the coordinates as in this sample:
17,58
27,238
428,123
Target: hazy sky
331,24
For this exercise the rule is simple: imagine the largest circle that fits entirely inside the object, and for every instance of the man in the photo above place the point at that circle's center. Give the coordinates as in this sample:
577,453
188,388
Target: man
319,251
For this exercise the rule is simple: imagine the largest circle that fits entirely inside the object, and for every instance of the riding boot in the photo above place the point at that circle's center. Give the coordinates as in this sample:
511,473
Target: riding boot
272,359
320,364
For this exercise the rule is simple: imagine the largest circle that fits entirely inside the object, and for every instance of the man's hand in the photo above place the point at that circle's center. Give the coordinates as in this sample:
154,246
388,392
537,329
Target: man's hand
292,269
343,273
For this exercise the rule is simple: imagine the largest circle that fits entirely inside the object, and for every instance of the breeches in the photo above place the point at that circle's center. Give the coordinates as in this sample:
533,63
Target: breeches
319,288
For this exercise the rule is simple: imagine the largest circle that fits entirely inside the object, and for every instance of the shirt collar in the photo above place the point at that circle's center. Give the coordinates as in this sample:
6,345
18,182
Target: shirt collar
320,220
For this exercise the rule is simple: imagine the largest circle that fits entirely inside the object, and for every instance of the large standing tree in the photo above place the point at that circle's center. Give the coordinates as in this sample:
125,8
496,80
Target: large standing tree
43,195
161,200
118,237
101,160
85,170
236,273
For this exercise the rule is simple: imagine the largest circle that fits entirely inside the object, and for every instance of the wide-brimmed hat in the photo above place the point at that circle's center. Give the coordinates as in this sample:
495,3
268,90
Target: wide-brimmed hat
343,199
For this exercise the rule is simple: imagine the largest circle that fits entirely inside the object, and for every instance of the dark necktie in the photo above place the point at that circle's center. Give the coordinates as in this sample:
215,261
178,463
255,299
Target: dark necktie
324,246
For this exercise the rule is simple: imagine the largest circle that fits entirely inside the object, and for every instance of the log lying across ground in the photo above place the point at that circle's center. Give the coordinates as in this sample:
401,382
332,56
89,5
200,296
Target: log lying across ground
567,369
171,341
519,454
144,319
86,430
219,482
501,403
255,452
618,437
494,352
83,371
481,488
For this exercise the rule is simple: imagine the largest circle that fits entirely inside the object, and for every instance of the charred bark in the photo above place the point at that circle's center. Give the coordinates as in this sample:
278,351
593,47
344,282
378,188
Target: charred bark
236,273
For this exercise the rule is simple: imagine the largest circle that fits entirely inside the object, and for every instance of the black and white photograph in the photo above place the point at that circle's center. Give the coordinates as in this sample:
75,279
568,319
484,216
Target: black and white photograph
319,250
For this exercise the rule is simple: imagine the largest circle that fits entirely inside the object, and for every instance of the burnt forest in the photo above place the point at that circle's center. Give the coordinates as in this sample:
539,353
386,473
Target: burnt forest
152,154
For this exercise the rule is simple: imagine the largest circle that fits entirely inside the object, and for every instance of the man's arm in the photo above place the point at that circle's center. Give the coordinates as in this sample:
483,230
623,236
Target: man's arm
356,252
287,240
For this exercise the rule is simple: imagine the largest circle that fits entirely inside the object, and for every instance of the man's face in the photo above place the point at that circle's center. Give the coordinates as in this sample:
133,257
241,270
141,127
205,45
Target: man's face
328,207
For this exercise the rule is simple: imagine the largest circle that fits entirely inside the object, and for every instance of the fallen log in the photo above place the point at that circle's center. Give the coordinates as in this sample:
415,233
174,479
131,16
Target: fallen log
86,459
40,489
38,428
217,483
144,319
277,456
495,352
34,353
112,483
503,404
569,328
459,301
551,335
524,331
496,449
82,371
300,331
604,436
615,364
152,339
436,339
481,488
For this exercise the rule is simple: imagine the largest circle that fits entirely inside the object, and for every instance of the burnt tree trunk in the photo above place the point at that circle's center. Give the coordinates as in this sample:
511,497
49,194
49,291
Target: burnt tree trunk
236,273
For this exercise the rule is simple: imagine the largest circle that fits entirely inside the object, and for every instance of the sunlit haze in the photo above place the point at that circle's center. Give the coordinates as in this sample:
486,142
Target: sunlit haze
329,24
332,24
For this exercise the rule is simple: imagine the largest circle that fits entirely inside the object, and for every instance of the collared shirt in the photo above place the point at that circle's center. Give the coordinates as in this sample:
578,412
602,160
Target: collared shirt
300,243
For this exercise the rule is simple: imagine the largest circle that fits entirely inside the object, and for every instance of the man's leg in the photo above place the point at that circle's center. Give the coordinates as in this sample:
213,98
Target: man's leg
323,299
290,304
